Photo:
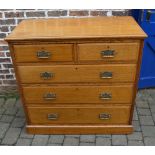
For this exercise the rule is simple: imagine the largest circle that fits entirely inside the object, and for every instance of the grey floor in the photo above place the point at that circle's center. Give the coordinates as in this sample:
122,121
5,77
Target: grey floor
12,127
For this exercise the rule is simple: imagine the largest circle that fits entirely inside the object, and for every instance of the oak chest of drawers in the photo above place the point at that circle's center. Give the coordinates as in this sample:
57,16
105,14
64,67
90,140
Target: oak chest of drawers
78,76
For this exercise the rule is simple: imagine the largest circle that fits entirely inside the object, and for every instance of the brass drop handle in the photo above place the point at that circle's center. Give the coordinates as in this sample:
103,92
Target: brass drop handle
52,116
43,54
46,75
106,75
49,96
105,96
107,53
104,116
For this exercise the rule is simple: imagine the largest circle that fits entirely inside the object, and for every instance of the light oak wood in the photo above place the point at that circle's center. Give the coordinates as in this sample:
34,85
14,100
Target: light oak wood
136,79
78,73
122,51
77,28
79,129
79,115
76,63
58,52
77,94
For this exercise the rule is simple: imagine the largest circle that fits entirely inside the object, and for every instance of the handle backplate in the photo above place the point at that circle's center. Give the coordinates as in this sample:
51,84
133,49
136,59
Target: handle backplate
104,116
49,96
46,75
43,54
105,96
106,75
107,53
52,116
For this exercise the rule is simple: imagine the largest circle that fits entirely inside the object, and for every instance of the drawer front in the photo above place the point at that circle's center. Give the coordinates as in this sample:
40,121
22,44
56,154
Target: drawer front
77,73
43,53
109,52
77,115
48,95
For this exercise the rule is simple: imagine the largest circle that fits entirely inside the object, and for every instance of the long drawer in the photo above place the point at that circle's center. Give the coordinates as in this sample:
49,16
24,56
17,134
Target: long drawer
108,52
77,73
43,53
79,115
48,95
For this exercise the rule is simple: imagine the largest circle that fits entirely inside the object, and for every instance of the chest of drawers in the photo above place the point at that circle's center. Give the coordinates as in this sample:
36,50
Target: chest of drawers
77,76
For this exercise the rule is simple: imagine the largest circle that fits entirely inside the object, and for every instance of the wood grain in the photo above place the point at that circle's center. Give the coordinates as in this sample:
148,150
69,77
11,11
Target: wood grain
71,28
78,73
58,52
79,115
79,129
76,63
136,79
77,94
122,51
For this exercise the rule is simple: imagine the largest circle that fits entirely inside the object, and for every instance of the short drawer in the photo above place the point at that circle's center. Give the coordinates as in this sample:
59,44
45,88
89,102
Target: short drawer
43,53
108,52
48,95
76,115
77,73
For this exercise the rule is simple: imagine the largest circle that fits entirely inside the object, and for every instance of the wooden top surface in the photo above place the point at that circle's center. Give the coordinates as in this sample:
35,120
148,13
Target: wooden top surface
72,28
